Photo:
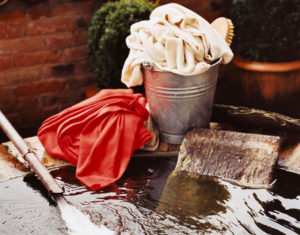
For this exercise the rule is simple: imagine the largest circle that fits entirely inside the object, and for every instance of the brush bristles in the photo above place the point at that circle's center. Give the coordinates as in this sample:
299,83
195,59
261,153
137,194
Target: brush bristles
230,33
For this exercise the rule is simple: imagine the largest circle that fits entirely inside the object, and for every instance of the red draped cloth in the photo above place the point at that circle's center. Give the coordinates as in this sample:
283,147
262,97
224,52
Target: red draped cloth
98,135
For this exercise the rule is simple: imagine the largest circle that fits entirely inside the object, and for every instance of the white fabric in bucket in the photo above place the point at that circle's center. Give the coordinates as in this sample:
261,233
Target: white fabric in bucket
175,39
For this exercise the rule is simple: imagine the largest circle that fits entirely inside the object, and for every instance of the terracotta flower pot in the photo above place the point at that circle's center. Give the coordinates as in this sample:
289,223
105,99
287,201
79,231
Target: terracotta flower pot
271,86
91,90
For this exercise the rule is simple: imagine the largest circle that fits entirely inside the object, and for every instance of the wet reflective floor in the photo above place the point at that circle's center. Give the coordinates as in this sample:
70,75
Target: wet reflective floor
149,199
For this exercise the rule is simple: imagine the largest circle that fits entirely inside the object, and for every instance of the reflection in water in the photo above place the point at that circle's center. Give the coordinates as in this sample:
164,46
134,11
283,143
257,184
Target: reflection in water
185,196
149,201
190,200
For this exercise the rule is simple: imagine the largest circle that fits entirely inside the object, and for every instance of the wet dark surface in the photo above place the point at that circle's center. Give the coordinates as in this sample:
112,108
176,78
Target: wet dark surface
148,200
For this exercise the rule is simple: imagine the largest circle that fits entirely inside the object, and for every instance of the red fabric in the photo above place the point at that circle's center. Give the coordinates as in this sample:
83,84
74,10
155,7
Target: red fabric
98,135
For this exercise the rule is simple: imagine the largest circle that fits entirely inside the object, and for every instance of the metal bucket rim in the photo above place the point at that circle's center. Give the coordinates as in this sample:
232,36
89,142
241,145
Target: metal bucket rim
148,65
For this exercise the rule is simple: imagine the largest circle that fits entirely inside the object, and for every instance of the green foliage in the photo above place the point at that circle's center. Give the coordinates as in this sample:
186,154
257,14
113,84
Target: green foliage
267,30
106,38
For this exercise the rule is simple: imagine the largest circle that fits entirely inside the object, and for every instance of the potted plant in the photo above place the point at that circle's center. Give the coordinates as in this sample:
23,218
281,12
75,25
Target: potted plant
267,42
107,48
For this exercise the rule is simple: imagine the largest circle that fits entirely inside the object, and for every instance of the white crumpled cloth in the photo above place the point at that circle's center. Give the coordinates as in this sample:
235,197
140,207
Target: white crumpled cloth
175,39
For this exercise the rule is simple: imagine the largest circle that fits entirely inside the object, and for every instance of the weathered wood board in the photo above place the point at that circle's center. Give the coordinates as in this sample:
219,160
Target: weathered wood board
12,164
10,167
246,158
254,118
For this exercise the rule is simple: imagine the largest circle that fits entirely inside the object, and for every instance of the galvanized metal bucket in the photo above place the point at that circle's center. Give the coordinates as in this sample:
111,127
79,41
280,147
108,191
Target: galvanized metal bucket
179,103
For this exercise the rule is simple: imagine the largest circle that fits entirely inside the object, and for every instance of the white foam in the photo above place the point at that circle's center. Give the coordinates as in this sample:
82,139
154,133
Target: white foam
79,223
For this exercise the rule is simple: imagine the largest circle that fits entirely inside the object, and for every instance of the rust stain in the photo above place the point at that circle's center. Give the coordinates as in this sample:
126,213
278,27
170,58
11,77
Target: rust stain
10,159
47,160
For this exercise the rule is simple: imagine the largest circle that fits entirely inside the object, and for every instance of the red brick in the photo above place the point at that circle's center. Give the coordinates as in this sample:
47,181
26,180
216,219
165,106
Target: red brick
63,41
39,88
21,45
35,58
50,26
47,101
85,7
3,79
8,108
72,97
6,96
4,62
79,82
8,31
78,8
58,70
82,67
34,116
37,13
20,75
64,9
83,22
12,17
30,116
75,53
13,118
27,102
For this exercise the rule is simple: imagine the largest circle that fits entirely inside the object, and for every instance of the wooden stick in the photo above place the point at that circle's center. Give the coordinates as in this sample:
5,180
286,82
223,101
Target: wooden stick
46,178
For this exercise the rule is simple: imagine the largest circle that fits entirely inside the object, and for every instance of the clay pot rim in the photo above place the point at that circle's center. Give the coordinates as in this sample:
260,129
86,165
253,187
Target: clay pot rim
266,66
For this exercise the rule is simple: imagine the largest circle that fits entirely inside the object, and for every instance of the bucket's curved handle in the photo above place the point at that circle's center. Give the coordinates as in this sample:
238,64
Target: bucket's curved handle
147,65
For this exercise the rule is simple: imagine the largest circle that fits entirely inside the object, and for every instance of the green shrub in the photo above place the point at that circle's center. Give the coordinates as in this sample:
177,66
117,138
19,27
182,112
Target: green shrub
109,28
267,30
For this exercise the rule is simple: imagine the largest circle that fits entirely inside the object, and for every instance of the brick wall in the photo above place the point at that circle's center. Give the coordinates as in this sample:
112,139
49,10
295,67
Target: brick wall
43,58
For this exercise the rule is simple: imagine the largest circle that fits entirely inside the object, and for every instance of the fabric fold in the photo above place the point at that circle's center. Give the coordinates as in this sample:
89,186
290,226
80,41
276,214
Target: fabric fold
98,135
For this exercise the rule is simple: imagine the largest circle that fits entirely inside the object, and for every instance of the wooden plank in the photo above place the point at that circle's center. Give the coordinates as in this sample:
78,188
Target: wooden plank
10,167
254,118
12,164
245,158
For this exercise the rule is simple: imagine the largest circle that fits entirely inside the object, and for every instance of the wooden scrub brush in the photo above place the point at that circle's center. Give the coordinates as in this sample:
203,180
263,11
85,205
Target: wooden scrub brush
225,27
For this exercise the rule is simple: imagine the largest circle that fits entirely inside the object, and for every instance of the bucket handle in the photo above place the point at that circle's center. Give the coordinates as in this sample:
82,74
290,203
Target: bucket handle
147,65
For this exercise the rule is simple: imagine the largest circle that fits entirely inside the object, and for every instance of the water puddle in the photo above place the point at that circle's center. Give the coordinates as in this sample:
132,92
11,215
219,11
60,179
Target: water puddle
148,199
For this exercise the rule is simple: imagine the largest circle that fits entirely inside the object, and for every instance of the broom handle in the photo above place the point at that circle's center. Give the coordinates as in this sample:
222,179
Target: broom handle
13,135
46,178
